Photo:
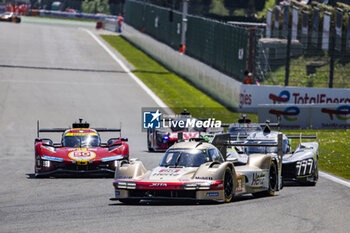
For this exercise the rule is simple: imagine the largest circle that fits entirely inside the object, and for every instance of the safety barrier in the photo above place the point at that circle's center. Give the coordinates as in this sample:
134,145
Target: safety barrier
211,81
313,116
61,14
220,45
251,96
111,24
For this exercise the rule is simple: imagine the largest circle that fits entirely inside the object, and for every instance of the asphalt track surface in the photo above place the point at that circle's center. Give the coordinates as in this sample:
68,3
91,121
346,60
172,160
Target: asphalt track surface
57,73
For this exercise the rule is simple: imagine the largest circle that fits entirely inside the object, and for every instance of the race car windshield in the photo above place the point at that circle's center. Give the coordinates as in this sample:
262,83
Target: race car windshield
243,129
261,149
185,158
81,141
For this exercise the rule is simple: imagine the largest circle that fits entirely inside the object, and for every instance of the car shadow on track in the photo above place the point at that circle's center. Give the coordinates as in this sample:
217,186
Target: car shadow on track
297,184
181,203
32,176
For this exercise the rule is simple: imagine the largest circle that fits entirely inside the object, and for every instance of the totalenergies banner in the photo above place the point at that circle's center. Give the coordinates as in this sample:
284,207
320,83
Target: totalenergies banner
335,116
313,116
289,116
251,96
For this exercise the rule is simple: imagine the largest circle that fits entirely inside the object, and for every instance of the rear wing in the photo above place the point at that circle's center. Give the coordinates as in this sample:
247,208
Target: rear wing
75,125
267,123
300,137
222,141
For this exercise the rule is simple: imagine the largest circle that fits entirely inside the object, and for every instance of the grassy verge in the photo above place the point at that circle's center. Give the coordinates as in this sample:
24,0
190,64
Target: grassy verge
334,156
172,89
298,76
176,93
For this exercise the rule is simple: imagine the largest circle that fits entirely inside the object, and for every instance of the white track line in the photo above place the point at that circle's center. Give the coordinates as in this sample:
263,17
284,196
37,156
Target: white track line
156,99
334,179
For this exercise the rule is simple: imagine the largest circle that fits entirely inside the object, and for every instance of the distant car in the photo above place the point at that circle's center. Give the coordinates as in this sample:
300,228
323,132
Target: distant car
80,152
299,166
162,139
10,17
197,170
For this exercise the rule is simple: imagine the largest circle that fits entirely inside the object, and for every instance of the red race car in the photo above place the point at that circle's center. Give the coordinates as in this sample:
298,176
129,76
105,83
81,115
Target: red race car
80,152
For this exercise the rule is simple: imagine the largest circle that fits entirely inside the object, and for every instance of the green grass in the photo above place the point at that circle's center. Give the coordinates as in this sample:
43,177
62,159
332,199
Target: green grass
334,156
172,89
298,76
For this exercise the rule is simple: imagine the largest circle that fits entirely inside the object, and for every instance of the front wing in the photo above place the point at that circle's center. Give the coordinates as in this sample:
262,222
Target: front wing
169,191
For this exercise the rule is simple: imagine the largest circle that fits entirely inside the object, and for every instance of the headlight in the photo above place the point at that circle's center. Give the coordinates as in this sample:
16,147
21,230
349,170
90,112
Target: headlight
195,186
116,163
126,185
204,186
46,163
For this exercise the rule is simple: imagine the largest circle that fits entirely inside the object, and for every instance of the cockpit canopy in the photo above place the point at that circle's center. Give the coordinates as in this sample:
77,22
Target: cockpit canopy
243,129
190,157
81,139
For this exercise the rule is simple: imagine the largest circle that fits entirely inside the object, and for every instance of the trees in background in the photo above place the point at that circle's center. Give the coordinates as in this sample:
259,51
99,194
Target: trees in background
95,6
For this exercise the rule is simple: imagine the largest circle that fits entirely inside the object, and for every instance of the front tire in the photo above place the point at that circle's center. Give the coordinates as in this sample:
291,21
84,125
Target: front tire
315,176
273,182
228,185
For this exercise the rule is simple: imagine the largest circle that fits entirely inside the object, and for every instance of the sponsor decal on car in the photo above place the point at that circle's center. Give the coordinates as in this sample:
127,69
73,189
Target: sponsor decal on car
82,155
125,177
167,172
240,184
203,178
117,192
211,194
80,134
258,179
158,185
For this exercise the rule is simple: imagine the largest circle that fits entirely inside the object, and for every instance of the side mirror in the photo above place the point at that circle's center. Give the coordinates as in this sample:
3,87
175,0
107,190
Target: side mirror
112,141
38,140
47,141
124,139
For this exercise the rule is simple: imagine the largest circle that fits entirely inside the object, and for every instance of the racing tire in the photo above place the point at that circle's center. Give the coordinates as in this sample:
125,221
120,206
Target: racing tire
315,177
39,176
273,182
228,185
150,149
130,201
